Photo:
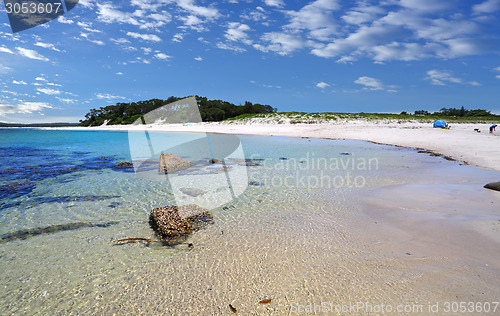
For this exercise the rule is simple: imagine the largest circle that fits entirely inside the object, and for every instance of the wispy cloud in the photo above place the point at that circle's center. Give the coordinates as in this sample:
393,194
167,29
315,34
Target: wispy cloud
47,45
275,3
107,13
280,43
32,54
489,6
162,56
373,84
146,37
442,78
23,108
108,96
4,49
191,7
322,85
49,91
67,101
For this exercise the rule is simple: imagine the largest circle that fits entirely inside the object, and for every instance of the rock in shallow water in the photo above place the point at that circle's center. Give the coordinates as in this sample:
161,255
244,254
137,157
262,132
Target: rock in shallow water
176,221
124,165
493,186
170,163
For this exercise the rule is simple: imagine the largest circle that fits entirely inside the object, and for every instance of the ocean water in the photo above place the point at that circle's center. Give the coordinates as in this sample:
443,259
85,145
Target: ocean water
64,203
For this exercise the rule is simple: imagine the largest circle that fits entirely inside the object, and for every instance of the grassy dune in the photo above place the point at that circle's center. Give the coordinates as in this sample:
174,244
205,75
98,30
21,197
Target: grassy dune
325,117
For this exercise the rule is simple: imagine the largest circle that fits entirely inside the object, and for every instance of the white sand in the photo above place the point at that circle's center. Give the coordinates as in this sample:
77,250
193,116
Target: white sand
409,244
460,142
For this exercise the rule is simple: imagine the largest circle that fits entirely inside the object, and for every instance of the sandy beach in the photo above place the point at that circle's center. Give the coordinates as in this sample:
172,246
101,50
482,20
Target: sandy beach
460,142
414,241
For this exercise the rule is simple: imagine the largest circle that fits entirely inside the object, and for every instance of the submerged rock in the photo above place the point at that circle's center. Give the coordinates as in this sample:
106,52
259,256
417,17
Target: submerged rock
124,165
27,233
493,186
212,161
177,221
170,163
192,191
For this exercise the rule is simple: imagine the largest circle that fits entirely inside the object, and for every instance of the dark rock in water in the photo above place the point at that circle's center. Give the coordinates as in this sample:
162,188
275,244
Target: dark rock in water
212,161
255,183
105,158
192,191
283,158
170,163
345,154
124,165
493,186
177,221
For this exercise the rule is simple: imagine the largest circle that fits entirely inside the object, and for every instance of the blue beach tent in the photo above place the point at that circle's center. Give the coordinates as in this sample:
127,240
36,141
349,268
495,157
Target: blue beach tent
440,124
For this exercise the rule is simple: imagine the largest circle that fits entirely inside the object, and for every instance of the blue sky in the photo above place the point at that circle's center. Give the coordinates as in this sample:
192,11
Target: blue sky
313,56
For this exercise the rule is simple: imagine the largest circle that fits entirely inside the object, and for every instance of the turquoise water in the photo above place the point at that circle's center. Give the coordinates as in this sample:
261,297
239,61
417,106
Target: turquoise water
63,202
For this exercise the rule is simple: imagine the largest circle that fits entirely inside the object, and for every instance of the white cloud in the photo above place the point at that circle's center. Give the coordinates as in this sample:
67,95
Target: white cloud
193,22
87,27
427,5
198,58
86,3
362,13
146,50
255,15
119,73
108,14
236,33
23,108
189,6
322,85
47,45
67,101
64,20
178,37
4,49
31,54
275,3
107,96
146,37
86,36
19,82
163,56
230,47
4,69
120,41
373,84
488,6
280,43
316,18
148,5
370,83
442,77
40,79
49,91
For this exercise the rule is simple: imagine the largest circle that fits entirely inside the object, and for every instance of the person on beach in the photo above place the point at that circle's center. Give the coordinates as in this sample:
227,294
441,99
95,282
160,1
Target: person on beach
492,128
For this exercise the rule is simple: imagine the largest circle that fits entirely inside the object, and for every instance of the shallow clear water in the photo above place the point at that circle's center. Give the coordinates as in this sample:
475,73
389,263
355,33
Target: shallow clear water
302,195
